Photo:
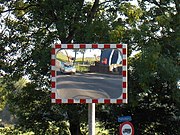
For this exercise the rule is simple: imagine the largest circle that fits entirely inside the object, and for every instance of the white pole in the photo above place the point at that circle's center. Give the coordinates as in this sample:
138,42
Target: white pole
91,118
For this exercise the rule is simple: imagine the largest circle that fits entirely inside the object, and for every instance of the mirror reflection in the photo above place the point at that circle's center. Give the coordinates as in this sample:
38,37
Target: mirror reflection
89,73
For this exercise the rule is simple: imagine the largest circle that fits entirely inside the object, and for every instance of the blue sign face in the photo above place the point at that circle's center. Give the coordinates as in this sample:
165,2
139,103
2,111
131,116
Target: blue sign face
124,118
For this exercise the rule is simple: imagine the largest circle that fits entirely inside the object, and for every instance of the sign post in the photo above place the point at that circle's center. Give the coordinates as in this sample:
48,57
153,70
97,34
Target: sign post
91,118
63,92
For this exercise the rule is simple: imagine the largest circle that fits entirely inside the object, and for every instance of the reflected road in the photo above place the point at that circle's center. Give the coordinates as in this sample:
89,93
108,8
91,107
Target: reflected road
89,85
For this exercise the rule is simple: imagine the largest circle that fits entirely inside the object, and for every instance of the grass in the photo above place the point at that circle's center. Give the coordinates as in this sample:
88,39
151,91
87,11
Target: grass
88,59
83,68
60,56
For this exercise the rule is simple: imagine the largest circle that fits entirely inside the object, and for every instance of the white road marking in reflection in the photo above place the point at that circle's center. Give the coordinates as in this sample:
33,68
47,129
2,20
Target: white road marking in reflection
101,90
94,77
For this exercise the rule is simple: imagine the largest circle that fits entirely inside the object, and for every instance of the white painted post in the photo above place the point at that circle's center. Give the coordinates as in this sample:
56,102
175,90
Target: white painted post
91,118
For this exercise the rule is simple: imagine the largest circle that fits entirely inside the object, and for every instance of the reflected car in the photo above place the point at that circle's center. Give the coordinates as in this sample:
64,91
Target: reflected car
127,131
68,69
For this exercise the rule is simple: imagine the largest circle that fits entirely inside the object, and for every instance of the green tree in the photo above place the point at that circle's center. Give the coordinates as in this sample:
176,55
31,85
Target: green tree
154,71
152,30
28,29
3,95
83,51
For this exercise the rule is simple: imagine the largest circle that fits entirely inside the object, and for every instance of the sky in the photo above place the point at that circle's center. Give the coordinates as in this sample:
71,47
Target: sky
88,53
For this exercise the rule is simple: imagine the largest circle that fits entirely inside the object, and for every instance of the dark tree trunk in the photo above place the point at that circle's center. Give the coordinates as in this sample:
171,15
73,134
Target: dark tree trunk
83,58
75,128
74,119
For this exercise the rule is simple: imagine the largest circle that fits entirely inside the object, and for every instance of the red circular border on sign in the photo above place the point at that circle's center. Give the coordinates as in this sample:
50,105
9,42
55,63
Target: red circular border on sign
129,123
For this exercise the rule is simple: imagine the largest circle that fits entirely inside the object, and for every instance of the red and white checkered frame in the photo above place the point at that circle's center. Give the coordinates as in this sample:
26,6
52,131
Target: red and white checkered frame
123,96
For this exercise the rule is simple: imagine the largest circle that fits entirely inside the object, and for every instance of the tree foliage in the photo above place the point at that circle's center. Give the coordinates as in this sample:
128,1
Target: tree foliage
3,95
29,28
154,71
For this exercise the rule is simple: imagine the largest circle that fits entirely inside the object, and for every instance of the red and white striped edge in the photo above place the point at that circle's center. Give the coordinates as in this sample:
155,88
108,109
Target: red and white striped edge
123,96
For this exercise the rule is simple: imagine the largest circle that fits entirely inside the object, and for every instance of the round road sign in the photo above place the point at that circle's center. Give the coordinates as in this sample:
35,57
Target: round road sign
126,128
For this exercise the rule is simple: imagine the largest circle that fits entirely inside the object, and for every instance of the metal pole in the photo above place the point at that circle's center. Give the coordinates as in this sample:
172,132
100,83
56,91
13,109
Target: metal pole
91,118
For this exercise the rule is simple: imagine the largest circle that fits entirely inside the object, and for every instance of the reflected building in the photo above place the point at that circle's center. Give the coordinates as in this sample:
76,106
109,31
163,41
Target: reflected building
110,62
111,56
